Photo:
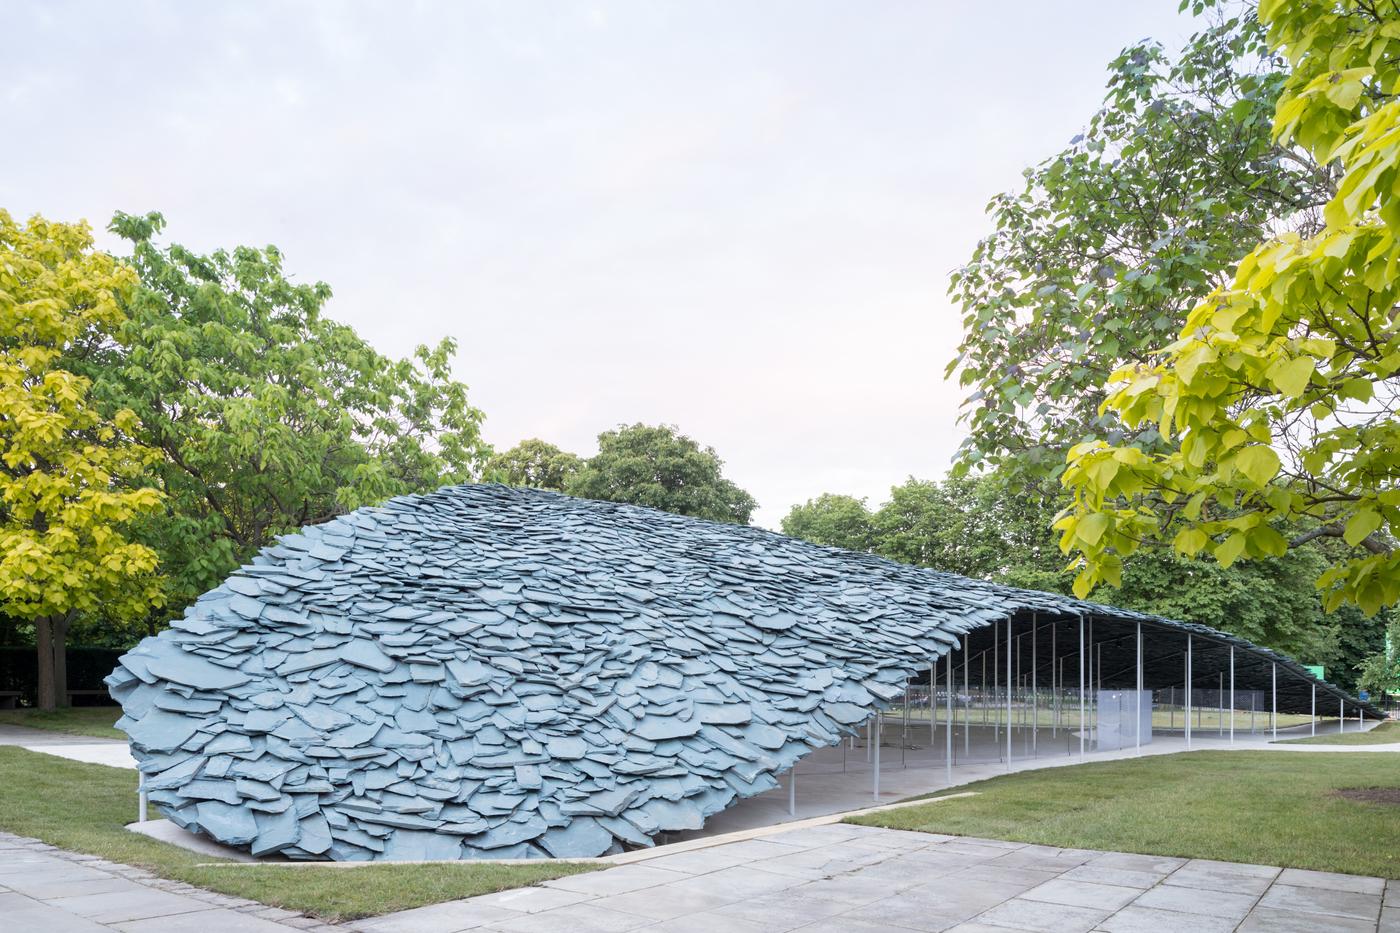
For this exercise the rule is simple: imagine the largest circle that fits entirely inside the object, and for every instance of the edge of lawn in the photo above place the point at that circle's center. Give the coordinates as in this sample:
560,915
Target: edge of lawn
85,808
1383,733
1258,807
94,721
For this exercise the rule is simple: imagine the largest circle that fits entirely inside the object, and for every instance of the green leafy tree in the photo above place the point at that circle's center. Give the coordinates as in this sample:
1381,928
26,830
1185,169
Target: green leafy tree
976,526
1096,262
534,463
69,469
657,466
994,528
270,415
1277,402
833,520
1379,673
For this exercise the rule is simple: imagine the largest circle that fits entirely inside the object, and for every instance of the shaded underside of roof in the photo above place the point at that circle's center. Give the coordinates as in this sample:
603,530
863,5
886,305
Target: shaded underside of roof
504,673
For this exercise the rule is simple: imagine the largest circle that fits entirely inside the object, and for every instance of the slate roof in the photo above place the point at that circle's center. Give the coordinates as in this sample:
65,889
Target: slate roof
489,672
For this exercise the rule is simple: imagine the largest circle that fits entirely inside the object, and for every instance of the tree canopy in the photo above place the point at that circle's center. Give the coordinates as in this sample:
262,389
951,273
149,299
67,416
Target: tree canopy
833,520
1096,262
70,470
267,414
535,463
1277,401
990,527
657,466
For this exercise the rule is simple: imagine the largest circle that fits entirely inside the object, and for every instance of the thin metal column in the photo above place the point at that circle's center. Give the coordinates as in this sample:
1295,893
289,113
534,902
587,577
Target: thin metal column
1273,700
1081,686
875,785
904,726
932,703
1313,713
1232,694
792,791
1035,694
967,710
996,687
948,751
1188,691
1341,715
1137,705
1008,693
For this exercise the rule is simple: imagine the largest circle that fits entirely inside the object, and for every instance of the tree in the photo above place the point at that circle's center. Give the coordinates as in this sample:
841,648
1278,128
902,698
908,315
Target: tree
1277,403
975,526
269,414
69,471
1380,672
657,466
833,520
993,528
535,463
1095,263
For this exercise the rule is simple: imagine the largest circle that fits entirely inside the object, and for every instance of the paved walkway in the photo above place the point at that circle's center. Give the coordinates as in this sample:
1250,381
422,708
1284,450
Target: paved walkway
856,879
114,753
47,890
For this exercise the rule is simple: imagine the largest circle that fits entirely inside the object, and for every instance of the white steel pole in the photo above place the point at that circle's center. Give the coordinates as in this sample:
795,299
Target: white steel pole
1232,694
1312,715
875,785
932,703
1273,699
967,710
1081,686
1008,693
1188,691
948,750
996,687
792,791
1035,696
1137,726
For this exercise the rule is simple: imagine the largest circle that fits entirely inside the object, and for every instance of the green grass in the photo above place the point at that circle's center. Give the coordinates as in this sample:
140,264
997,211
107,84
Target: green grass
1268,808
78,720
84,808
1383,734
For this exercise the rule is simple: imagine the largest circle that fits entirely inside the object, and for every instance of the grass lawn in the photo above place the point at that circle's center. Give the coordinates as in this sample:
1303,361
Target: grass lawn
84,808
1272,808
77,720
1383,734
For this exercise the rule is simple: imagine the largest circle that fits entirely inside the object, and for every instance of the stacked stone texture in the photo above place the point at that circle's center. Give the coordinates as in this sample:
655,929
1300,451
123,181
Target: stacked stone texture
487,672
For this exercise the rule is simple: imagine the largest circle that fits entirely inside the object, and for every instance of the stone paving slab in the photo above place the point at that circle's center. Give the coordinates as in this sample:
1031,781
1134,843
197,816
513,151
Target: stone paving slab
47,890
852,879
857,879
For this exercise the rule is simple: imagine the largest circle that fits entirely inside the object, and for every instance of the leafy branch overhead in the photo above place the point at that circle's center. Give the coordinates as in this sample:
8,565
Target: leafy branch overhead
1277,402
1097,261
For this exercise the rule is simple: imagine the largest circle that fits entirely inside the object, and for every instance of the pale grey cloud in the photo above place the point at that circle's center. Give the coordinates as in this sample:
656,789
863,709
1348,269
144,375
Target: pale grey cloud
735,217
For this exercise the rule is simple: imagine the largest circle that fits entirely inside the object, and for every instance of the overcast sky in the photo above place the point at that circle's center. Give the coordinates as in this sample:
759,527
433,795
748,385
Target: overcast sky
737,217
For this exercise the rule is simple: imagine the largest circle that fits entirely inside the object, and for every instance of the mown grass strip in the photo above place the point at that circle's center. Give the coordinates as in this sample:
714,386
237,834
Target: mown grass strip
1270,808
85,808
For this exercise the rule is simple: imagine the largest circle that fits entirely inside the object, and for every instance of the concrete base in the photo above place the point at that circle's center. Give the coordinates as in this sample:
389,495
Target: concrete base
166,831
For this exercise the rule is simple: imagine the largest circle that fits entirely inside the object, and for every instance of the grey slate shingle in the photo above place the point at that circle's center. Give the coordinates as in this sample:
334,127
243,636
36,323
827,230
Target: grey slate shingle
487,672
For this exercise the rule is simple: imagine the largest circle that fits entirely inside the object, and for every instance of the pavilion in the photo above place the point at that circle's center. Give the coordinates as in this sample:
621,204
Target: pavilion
490,672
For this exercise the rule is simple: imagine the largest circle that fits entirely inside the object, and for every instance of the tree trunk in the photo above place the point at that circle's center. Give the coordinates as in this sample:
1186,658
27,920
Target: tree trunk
51,640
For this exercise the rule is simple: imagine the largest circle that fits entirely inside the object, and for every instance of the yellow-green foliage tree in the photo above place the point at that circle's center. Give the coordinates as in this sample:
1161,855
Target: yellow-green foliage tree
67,473
1279,398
